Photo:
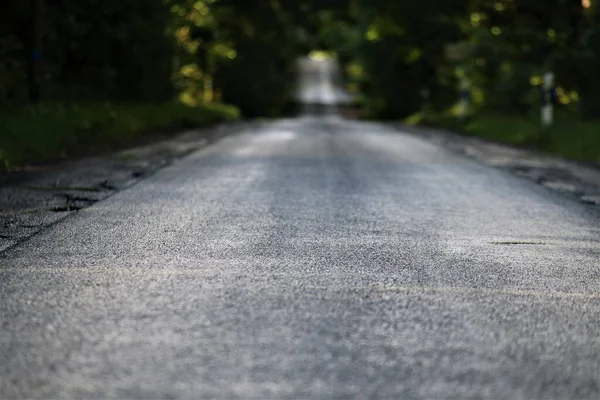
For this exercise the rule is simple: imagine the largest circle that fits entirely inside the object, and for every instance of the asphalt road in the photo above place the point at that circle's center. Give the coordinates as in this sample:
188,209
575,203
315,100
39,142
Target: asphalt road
310,258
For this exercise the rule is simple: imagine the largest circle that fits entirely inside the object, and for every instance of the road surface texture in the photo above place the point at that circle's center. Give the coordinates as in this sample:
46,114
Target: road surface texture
310,258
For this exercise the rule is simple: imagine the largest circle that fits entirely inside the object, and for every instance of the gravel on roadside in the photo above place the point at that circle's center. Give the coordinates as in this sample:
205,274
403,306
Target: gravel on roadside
575,179
39,196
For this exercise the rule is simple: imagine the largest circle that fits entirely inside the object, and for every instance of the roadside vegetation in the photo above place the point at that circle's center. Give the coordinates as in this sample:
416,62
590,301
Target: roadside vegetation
499,50
83,77
48,131
401,59
569,136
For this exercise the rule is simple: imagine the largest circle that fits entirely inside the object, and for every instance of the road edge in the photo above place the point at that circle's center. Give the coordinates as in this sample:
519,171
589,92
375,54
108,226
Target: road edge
572,178
35,200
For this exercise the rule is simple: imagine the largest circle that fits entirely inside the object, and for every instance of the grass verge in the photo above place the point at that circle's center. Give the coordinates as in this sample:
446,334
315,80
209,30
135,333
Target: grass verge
46,132
569,137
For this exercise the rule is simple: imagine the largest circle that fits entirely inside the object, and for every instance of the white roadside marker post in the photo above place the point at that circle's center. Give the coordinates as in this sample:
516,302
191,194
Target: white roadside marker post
548,100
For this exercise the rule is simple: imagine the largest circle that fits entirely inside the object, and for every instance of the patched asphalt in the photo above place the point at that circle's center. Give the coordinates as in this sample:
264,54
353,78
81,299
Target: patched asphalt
38,196
310,258
575,179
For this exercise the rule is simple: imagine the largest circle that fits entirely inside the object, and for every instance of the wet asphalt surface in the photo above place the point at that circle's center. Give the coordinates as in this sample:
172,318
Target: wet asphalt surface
310,258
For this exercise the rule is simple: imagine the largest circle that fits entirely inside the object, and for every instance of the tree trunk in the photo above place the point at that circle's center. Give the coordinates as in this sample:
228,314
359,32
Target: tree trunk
35,53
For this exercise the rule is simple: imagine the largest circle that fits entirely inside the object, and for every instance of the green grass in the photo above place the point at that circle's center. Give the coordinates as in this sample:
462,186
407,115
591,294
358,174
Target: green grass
569,137
47,132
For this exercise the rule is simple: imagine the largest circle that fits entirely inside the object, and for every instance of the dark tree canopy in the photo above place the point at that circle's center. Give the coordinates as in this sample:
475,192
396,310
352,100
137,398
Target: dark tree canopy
243,52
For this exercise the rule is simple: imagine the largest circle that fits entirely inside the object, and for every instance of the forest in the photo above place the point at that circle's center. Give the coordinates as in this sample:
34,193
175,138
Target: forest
77,74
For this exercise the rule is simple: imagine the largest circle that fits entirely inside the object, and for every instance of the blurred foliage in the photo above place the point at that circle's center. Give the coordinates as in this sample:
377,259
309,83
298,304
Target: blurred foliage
402,52
398,55
515,42
95,49
501,46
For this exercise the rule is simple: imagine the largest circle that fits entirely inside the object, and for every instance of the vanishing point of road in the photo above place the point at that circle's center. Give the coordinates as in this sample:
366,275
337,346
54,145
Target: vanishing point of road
310,258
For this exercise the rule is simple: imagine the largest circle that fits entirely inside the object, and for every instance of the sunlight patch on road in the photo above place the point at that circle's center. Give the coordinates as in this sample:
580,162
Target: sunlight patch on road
259,144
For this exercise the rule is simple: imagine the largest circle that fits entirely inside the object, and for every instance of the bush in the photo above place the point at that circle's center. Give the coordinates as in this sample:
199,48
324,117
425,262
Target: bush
48,131
570,136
